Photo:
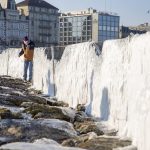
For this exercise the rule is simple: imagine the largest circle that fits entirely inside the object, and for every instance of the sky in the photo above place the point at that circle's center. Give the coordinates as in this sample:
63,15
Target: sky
131,12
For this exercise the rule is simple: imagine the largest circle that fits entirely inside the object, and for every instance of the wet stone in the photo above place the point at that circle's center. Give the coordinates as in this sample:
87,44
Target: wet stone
7,114
81,107
104,143
5,140
86,127
30,130
44,111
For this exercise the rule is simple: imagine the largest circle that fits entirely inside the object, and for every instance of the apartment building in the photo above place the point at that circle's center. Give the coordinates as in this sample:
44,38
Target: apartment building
140,29
43,21
13,26
2,27
85,25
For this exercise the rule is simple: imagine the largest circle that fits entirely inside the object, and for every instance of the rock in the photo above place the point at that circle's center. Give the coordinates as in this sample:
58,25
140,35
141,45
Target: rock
106,128
82,138
10,82
16,91
60,103
81,117
99,128
81,107
69,142
26,104
35,146
104,142
46,141
5,140
82,114
36,99
86,127
45,111
7,114
49,132
34,91
29,130
131,147
54,102
92,135
4,102
14,100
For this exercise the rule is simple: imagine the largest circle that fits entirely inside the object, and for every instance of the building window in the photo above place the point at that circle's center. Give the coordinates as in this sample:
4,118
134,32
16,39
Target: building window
69,33
61,29
70,20
89,27
11,5
61,19
61,24
32,23
108,27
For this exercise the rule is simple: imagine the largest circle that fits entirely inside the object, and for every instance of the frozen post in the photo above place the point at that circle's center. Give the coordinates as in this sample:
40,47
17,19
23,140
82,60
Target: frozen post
53,68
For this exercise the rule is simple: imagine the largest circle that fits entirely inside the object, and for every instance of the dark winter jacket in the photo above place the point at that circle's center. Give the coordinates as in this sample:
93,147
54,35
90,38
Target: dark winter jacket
27,50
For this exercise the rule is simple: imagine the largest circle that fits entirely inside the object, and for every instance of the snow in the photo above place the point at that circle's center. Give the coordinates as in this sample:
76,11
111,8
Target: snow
114,86
46,141
10,90
74,74
12,108
58,124
43,72
69,112
106,127
35,146
131,147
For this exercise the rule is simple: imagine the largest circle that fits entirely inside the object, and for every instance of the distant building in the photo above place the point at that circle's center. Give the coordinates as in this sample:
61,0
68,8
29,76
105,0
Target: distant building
144,26
126,31
43,21
13,26
85,25
2,27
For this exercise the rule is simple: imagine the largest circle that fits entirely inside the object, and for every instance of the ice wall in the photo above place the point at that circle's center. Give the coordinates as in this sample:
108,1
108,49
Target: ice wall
75,73
11,64
115,86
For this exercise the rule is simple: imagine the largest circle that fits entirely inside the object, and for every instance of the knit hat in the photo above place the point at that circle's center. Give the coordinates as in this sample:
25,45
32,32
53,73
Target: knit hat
25,38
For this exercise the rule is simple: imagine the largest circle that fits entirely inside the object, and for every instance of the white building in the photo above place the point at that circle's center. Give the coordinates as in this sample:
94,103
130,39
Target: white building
2,26
43,21
13,25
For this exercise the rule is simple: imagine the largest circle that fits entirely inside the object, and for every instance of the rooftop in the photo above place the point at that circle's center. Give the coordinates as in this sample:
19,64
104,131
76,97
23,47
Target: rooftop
88,11
37,3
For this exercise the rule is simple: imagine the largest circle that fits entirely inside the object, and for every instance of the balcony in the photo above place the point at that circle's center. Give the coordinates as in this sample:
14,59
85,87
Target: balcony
45,34
45,27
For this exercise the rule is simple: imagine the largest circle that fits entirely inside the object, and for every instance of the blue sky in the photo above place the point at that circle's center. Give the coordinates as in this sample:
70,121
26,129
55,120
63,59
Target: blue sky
131,12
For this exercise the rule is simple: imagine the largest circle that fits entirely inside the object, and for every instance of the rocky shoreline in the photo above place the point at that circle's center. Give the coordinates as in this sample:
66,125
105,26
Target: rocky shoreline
28,120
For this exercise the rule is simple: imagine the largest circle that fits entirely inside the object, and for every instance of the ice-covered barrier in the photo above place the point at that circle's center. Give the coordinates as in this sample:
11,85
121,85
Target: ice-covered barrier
75,73
114,86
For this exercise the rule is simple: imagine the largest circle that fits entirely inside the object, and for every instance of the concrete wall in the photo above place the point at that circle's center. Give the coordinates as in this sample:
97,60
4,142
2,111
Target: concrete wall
95,27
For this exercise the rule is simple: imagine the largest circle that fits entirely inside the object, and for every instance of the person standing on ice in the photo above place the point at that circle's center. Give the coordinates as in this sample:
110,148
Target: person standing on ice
28,51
